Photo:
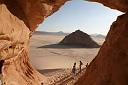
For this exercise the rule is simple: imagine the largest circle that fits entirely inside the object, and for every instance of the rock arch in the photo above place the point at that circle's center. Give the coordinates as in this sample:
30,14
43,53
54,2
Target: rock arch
19,18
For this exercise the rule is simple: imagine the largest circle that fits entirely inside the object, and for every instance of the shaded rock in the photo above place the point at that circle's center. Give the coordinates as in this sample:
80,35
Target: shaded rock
14,38
110,67
79,38
18,18
35,11
121,5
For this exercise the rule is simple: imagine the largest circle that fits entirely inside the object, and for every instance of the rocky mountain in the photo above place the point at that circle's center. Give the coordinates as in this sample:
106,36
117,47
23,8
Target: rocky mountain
79,38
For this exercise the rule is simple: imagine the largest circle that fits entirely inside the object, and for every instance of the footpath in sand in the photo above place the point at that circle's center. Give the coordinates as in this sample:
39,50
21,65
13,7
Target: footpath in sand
64,78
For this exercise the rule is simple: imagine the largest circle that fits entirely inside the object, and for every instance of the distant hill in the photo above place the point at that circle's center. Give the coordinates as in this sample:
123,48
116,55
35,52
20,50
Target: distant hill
79,38
97,36
61,33
50,33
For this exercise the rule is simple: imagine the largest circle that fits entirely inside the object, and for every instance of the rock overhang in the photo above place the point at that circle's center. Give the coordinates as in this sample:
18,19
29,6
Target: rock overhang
34,12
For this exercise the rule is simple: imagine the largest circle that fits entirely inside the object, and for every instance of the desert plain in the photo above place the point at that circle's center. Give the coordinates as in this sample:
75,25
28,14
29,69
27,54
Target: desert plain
54,60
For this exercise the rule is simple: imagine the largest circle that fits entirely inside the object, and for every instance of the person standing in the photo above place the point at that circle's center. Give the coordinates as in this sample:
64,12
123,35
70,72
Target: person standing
80,67
86,65
74,70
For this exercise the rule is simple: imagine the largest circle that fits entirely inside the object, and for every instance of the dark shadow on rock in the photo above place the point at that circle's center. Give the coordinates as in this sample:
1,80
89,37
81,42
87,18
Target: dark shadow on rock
65,46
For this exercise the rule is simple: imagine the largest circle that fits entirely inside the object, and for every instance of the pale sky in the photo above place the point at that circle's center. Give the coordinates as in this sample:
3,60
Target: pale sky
90,17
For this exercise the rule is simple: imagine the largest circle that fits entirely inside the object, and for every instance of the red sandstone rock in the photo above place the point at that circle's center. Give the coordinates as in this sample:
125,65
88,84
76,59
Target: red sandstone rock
121,5
19,17
35,11
79,38
110,67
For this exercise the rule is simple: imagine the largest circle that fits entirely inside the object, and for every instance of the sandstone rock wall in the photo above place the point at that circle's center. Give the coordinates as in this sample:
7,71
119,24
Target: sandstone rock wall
19,17
36,11
110,67
121,5
14,40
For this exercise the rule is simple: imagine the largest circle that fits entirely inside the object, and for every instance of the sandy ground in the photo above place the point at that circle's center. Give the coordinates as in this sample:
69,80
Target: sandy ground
51,59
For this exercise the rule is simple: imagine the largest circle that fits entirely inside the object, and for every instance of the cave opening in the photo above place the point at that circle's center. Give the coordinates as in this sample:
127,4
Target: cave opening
43,42
52,60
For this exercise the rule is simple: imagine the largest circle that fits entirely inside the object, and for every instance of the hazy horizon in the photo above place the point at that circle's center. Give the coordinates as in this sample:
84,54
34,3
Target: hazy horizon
86,17
68,32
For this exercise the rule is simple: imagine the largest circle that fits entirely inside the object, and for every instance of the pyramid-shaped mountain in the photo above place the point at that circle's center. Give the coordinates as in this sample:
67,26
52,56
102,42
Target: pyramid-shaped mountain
79,38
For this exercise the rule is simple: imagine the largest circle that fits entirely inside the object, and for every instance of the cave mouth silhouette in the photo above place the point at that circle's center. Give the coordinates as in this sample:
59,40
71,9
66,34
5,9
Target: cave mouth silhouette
48,46
28,69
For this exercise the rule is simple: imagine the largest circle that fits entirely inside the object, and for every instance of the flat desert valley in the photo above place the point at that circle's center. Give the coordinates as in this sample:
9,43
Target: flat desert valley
51,59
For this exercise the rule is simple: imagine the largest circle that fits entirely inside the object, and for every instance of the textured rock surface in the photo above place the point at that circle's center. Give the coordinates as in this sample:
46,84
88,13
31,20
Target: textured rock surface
19,17
121,5
79,38
110,67
14,40
35,11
